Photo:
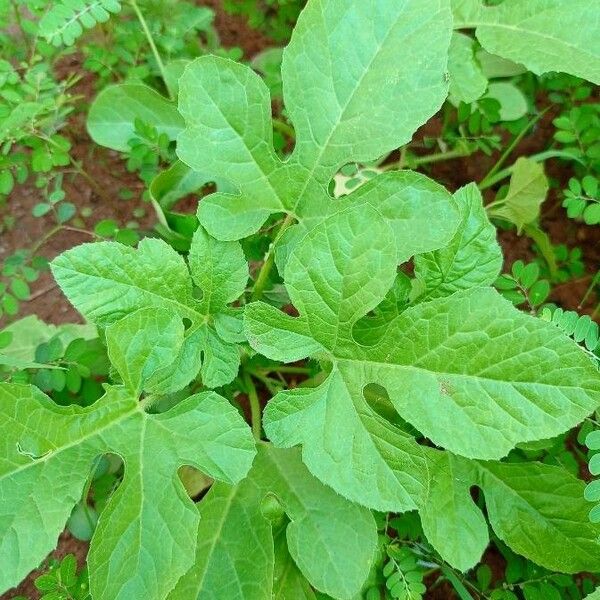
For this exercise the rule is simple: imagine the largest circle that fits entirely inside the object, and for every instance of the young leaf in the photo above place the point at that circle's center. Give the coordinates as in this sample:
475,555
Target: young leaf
513,103
473,258
149,525
107,281
402,54
235,557
112,116
527,191
468,362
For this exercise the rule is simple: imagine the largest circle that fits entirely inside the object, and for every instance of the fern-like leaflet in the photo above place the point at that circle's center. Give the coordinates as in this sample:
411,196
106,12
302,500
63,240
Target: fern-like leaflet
67,19
403,576
585,332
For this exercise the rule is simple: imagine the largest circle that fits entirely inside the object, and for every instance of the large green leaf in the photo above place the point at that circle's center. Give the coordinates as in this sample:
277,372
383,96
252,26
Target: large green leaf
108,281
537,510
236,556
469,362
352,92
145,538
112,116
473,257
544,35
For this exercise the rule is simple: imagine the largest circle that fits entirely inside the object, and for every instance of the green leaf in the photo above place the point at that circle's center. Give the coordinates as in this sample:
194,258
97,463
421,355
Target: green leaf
526,193
111,118
452,522
495,66
234,526
513,103
544,35
67,19
552,528
467,81
149,525
177,182
468,362
473,258
337,119
537,510
143,346
107,281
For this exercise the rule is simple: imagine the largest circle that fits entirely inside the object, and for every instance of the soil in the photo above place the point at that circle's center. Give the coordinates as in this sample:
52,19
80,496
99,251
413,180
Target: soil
107,169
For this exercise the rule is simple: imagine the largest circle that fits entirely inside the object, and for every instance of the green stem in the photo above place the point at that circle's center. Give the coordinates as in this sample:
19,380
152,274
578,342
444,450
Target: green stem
255,413
541,157
265,270
286,369
159,62
20,25
417,161
284,128
49,234
516,141
595,280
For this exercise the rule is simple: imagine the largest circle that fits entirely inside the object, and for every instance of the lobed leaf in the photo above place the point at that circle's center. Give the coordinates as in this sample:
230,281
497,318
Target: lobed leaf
236,556
227,111
108,281
472,258
469,361
145,538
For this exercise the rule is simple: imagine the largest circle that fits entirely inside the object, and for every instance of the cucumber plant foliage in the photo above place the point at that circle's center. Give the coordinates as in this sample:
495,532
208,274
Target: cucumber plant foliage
419,402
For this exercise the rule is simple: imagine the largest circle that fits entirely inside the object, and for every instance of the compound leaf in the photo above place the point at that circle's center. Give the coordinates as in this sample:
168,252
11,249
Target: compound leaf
235,556
145,538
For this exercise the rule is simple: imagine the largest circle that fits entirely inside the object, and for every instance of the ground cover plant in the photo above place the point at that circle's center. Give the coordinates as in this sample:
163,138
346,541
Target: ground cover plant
326,381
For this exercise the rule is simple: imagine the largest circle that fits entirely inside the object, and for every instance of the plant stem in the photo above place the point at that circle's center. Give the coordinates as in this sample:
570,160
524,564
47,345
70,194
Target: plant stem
541,157
255,413
81,171
416,161
20,25
286,369
148,33
517,139
265,270
49,234
595,280
284,128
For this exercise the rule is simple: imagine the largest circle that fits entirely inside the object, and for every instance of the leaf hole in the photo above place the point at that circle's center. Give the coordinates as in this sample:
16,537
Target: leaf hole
195,482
